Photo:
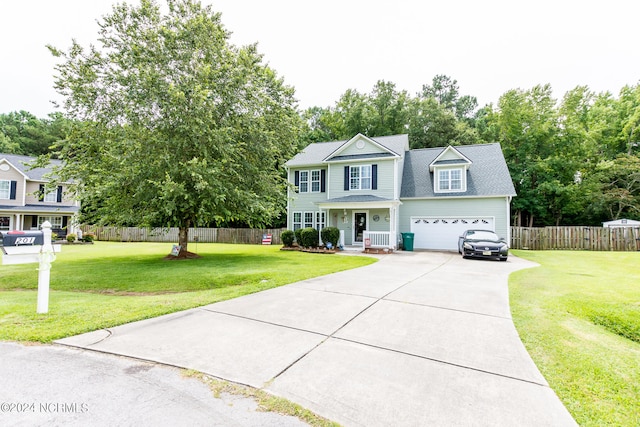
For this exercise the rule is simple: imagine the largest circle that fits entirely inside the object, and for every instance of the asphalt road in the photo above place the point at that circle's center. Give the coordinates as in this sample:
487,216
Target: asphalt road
51,385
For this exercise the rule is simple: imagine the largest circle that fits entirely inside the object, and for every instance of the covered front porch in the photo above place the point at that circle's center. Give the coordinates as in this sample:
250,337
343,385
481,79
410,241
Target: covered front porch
363,221
31,217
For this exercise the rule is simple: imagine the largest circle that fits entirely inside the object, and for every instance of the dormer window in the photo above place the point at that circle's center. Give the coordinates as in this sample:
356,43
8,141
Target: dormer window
450,180
450,171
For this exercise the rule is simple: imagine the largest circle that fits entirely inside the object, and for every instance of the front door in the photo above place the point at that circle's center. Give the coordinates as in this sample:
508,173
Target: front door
359,226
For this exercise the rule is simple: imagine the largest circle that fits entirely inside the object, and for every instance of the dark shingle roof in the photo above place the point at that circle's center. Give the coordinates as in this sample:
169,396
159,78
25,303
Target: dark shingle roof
314,154
487,176
22,164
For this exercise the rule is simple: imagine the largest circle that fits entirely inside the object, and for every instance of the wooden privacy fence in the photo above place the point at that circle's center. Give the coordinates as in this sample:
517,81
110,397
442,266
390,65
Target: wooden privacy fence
576,238
170,235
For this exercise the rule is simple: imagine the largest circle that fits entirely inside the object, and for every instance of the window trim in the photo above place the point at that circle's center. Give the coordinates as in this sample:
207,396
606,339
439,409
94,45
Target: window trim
321,220
317,219
54,223
304,178
8,189
439,180
313,181
294,222
51,197
360,177
305,223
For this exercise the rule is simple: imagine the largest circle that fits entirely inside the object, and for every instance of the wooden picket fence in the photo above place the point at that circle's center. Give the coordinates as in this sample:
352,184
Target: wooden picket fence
170,235
576,238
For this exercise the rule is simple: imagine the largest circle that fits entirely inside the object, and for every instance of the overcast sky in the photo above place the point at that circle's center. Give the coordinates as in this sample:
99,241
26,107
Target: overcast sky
325,47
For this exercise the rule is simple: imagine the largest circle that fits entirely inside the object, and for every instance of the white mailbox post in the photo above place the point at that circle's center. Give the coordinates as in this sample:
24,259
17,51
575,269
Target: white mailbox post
23,250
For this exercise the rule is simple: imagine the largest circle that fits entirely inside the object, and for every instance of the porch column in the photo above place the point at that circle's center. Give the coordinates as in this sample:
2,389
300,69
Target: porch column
392,227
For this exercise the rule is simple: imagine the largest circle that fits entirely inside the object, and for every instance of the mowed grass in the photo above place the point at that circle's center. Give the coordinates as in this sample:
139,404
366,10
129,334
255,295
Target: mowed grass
578,315
108,284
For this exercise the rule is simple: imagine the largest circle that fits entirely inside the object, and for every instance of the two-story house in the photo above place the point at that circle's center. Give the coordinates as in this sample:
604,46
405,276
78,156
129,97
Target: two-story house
25,202
375,189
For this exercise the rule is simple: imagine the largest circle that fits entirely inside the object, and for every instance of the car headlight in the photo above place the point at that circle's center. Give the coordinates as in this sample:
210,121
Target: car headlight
467,245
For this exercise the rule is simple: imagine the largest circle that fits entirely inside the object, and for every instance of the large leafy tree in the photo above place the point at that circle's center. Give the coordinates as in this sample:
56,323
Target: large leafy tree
436,117
174,126
23,133
527,127
439,116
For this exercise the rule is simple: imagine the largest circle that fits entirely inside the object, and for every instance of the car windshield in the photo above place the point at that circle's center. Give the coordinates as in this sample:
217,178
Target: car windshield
483,235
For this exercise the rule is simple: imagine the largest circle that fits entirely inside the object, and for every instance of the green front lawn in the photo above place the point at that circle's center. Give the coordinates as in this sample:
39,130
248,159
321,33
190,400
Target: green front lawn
108,284
579,317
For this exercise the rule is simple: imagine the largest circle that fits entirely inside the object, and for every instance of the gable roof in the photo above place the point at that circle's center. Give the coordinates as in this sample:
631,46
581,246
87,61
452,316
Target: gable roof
489,175
318,153
360,141
21,163
450,156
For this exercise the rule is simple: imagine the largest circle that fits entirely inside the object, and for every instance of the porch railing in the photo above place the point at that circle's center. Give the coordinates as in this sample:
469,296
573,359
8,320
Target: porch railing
378,239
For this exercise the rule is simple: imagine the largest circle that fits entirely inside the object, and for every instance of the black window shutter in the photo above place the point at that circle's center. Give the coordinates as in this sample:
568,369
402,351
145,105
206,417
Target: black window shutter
12,193
346,178
59,195
41,193
65,220
296,179
34,222
374,177
323,181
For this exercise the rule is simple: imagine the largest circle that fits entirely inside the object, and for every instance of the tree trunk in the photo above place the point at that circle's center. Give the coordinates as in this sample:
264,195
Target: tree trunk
518,218
183,237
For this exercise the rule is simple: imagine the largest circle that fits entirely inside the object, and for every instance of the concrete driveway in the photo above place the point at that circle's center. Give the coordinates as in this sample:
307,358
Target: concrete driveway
418,338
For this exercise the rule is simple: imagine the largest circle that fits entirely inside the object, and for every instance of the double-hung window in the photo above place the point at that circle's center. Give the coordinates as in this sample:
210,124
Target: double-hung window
311,181
360,177
297,220
5,189
51,197
308,219
450,180
304,182
320,220
315,181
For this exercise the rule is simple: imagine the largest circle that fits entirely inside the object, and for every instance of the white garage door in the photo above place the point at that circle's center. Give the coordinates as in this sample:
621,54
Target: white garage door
442,232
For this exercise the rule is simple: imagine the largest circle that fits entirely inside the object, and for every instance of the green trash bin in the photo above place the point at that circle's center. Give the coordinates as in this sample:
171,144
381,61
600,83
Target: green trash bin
407,241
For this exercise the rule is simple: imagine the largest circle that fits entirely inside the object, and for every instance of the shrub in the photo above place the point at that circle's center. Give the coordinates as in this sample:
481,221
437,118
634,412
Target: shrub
88,237
288,237
71,237
54,236
330,235
298,234
309,237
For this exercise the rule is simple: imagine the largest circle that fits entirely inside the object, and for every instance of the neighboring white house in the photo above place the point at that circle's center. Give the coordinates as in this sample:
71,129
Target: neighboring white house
375,189
621,223
24,204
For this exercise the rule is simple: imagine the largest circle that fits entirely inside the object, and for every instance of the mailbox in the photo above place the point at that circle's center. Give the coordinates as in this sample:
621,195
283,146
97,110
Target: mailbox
22,247
21,238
